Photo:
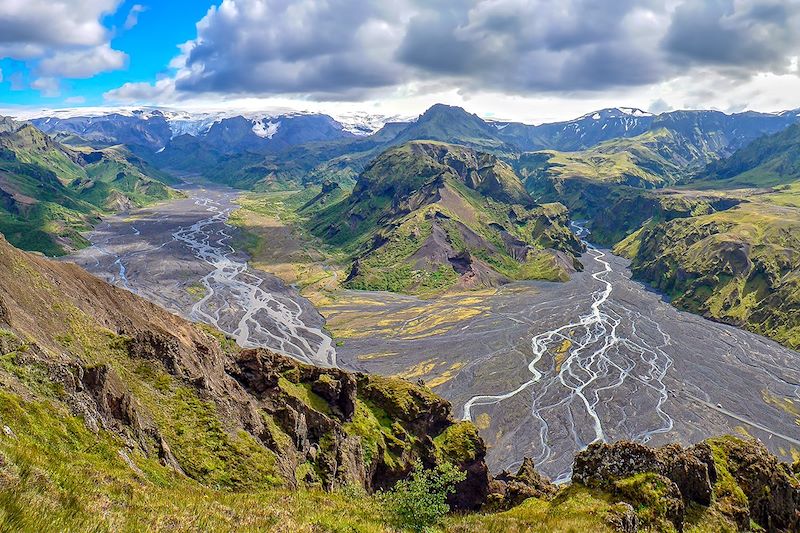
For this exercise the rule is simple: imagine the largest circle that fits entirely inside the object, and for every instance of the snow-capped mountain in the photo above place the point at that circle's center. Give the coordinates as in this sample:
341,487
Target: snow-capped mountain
272,130
153,128
733,130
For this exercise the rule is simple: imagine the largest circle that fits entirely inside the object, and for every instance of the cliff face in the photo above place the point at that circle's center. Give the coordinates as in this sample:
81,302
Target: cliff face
739,266
189,397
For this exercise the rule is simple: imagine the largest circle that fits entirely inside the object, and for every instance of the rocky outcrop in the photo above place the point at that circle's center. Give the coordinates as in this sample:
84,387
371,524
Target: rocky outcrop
688,468
190,397
623,518
508,490
3,313
710,473
323,411
773,492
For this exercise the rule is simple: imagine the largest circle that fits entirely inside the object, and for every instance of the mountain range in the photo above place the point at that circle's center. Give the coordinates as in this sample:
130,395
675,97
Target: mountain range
449,198
305,148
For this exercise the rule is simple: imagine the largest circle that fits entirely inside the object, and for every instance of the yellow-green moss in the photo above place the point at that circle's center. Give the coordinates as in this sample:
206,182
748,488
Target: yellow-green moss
459,443
303,392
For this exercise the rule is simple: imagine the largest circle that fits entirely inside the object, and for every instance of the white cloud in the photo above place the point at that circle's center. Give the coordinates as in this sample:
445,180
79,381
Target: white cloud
1,75
47,23
523,59
75,100
161,91
83,63
133,16
49,87
66,36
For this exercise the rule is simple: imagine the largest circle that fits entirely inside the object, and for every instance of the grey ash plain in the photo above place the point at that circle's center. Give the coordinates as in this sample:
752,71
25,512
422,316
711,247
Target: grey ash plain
668,375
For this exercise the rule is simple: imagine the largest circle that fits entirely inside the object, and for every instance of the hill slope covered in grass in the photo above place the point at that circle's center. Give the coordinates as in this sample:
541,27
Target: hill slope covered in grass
740,265
770,161
49,193
653,159
428,215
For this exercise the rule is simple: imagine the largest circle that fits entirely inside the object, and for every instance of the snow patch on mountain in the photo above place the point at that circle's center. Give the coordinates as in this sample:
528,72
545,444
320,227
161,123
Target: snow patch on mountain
265,130
634,112
362,124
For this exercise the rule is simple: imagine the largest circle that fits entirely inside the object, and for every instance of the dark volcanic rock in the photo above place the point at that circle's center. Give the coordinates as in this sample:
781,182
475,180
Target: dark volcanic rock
319,432
773,492
689,468
685,475
623,518
507,490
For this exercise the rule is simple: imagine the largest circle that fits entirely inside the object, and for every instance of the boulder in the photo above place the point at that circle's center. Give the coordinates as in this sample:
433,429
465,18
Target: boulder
679,475
691,469
622,517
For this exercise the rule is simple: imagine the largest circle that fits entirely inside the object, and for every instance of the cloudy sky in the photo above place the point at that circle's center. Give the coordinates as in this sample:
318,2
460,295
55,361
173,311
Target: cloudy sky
530,60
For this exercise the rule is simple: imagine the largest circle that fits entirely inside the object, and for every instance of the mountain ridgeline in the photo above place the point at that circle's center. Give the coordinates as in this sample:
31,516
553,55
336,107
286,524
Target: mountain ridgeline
283,151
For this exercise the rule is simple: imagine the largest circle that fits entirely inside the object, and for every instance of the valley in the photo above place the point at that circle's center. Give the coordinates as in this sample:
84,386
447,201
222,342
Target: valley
200,276
493,266
542,368
553,300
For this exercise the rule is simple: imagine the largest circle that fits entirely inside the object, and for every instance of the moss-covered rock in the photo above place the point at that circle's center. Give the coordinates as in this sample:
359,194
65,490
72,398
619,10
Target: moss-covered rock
723,483
771,490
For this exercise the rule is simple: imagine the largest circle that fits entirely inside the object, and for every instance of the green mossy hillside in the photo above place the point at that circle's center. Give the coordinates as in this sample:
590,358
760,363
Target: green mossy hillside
50,193
427,216
740,266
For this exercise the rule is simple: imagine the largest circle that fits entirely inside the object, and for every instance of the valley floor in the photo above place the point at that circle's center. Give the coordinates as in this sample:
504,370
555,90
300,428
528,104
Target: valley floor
624,364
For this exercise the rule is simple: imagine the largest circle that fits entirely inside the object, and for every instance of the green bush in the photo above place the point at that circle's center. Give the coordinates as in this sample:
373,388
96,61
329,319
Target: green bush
420,501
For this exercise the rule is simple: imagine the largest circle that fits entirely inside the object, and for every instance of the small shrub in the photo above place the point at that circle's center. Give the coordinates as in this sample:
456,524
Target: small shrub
420,502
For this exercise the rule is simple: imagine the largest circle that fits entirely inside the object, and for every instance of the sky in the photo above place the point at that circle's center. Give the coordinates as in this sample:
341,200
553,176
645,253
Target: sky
528,60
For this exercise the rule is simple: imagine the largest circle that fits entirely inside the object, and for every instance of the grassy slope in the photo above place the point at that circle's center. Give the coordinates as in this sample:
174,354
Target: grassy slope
740,265
653,159
406,196
58,475
50,193
769,161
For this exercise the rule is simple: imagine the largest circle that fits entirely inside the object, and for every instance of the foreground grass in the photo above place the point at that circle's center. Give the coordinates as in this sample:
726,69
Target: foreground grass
57,475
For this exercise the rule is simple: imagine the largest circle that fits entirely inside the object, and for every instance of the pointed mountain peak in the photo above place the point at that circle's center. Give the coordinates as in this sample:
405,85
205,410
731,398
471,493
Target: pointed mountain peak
616,112
437,110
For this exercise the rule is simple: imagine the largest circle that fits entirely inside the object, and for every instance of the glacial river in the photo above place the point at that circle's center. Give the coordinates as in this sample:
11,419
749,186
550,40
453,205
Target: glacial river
543,369
180,255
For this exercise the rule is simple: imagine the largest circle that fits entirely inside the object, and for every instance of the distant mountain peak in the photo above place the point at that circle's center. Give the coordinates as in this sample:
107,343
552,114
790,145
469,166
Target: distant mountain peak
446,110
615,112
